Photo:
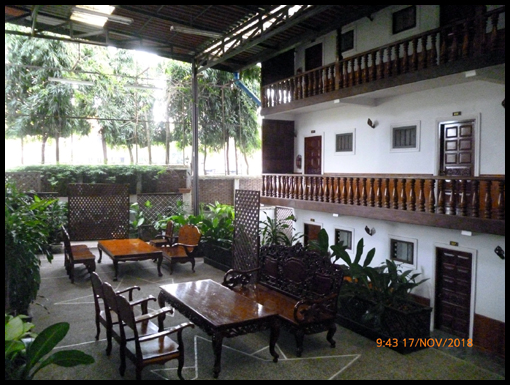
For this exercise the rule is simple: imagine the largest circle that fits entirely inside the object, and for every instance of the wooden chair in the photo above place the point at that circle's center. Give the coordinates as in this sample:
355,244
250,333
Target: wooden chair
143,342
103,311
184,250
166,239
76,254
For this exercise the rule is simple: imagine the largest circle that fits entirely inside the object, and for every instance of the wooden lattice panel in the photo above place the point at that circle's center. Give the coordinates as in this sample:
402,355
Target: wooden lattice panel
246,229
161,204
98,211
281,214
25,181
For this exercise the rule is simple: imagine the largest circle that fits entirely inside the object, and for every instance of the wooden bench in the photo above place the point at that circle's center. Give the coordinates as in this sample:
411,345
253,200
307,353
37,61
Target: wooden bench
301,285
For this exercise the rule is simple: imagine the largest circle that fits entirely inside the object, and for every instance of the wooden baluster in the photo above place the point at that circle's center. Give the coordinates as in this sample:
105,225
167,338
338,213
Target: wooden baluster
422,57
338,74
421,196
442,52
412,195
432,196
372,73
475,199
395,194
501,200
379,198
279,186
396,67
403,196
371,193
306,192
351,73
264,186
318,188
325,190
493,46
452,203
405,58
380,66
337,191
440,197
333,191
453,51
488,200
364,191
291,192
357,192
387,194
432,54
357,70
465,41
414,56
462,197
387,66
364,69
345,74
343,197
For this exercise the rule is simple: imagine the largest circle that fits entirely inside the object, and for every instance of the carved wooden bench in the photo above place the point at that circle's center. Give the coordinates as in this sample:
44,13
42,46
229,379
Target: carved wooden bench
301,285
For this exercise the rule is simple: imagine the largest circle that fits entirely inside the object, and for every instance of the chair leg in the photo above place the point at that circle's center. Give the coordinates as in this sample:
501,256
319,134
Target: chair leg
192,264
122,368
181,365
98,328
71,272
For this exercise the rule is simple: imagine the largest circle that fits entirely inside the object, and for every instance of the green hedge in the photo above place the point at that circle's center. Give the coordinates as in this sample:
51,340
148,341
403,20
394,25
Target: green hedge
56,178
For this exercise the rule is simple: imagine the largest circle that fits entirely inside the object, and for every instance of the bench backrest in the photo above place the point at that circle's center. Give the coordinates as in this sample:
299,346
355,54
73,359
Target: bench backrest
298,272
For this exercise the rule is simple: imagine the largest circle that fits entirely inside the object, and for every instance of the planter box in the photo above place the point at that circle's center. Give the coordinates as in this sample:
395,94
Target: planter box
409,325
217,256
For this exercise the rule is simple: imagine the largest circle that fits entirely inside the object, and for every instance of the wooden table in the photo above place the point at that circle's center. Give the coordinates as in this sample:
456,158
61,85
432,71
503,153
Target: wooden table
122,250
221,313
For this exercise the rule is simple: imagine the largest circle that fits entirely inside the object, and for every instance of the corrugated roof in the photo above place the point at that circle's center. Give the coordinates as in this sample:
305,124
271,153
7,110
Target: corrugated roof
151,29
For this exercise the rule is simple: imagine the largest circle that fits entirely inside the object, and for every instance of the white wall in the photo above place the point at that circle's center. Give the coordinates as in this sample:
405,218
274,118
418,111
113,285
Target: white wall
480,100
489,273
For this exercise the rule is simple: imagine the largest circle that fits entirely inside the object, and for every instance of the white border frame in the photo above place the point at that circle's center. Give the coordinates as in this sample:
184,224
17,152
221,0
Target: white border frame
414,241
353,240
354,48
411,31
344,153
416,123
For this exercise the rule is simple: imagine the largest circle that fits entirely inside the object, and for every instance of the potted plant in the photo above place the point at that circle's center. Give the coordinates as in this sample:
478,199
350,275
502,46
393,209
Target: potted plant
26,239
27,352
138,227
57,217
275,232
376,301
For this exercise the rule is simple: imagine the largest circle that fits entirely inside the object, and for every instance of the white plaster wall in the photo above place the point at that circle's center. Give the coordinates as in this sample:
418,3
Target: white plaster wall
489,273
481,100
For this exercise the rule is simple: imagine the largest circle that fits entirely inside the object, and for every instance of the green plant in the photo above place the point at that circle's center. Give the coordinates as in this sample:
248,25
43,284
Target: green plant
57,217
275,232
27,352
26,239
137,217
217,224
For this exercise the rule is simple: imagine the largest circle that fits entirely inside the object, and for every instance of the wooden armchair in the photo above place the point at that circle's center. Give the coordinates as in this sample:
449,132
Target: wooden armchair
104,312
165,239
143,342
76,254
184,250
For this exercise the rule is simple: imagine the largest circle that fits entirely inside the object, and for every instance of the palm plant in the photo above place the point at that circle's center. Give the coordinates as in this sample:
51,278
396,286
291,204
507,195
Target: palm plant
275,231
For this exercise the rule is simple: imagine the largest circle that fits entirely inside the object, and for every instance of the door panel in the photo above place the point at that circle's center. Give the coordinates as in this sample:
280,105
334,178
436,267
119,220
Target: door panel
277,147
311,233
453,291
457,148
313,155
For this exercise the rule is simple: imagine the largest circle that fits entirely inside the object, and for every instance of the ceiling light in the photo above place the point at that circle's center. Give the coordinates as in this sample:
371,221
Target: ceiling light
114,18
71,81
193,31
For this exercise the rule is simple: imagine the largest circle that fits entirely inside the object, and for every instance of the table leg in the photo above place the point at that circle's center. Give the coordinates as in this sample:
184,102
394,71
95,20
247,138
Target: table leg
217,342
275,333
116,267
160,261
100,255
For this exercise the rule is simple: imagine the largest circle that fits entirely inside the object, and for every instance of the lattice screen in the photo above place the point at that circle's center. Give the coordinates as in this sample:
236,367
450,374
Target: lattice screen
25,181
281,214
98,211
246,229
164,204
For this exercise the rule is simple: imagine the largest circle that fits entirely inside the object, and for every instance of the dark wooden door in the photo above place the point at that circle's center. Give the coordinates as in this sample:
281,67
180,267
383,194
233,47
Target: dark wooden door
277,147
457,148
313,155
453,291
313,57
311,233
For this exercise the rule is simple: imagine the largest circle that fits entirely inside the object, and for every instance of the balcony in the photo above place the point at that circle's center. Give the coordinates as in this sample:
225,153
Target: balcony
460,203
468,45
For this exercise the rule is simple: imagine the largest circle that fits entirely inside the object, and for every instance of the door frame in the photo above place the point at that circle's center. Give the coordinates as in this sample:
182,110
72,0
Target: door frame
323,147
474,260
476,136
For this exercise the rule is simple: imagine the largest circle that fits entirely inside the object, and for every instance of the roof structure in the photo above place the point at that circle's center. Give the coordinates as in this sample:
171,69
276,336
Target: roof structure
226,37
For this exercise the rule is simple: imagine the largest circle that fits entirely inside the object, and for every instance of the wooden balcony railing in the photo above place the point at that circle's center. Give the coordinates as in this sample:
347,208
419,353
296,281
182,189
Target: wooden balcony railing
470,38
480,198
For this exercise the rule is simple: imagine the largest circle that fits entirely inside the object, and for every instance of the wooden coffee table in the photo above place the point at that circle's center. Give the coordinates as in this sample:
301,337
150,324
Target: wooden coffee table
122,250
221,313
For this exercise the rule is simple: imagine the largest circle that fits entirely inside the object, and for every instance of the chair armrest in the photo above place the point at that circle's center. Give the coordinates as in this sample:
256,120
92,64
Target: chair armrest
154,314
130,290
186,247
312,310
232,278
172,330
143,303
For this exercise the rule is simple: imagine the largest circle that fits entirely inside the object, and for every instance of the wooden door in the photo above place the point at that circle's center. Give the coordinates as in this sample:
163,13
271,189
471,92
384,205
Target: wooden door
313,155
453,291
457,148
277,147
311,233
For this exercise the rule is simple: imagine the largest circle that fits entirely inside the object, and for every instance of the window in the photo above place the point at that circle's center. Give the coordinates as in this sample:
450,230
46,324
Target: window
347,41
404,19
405,137
403,250
313,57
345,142
344,236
